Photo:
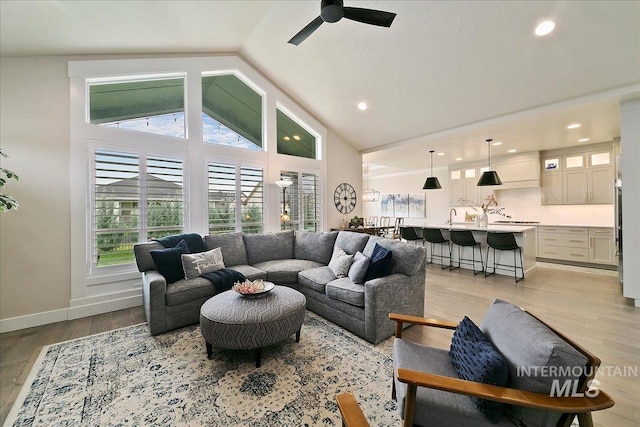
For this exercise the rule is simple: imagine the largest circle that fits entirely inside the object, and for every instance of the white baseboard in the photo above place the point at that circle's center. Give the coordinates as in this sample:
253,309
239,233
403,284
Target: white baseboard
76,312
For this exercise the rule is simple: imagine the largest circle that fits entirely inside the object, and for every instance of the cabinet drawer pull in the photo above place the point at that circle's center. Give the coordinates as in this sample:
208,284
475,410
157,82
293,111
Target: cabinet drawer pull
550,240
580,255
576,231
577,241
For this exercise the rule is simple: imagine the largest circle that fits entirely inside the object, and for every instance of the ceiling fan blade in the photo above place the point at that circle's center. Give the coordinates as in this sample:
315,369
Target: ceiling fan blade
369,16
306,31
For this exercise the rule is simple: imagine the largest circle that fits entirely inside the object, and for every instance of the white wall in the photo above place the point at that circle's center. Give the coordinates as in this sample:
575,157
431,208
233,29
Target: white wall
35,242
630,145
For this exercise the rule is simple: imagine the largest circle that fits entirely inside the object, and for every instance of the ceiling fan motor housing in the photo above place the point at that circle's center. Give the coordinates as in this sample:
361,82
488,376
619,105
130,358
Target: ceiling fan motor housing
331,10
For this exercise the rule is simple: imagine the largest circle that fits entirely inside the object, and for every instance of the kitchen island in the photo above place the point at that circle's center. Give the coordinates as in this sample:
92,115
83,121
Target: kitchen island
525,237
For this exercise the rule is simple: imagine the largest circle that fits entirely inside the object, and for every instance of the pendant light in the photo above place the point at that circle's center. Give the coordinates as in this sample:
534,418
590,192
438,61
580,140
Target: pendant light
432,182
489,177
368,194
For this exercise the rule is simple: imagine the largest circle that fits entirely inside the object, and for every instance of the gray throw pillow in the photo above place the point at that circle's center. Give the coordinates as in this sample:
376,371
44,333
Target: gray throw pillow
340,263
358,270
195,265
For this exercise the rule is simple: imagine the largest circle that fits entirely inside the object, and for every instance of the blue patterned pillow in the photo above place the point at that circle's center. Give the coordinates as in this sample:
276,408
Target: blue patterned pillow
475,358
380,264
169,261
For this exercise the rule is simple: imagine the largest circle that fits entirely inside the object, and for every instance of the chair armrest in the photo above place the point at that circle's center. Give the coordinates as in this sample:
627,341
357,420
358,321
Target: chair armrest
352,415
574,405
400,319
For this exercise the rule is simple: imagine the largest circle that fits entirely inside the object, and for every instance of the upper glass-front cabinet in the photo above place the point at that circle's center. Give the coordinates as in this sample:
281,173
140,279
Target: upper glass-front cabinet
231,112
600,159
574,161
552,164
153,105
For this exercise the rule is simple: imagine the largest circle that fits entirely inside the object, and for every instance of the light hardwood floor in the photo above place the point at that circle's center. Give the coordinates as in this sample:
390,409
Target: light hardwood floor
587,307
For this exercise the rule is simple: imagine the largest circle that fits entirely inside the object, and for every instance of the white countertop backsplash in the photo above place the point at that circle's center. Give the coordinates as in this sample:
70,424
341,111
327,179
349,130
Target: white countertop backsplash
524,205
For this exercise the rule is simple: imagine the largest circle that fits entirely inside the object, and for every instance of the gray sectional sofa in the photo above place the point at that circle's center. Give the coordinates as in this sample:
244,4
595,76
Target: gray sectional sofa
298,260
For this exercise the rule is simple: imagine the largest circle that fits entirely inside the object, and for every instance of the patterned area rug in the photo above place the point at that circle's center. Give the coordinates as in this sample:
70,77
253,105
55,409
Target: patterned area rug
128,378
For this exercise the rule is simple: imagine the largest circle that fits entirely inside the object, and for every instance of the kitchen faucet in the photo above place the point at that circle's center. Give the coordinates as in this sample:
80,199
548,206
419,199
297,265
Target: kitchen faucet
450,218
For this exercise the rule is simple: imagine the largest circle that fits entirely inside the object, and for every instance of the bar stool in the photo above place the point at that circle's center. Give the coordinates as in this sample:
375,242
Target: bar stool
465,238
410,234
434,237
504,242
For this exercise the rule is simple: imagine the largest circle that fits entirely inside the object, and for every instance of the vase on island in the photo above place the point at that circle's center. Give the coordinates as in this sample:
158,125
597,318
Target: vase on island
484,219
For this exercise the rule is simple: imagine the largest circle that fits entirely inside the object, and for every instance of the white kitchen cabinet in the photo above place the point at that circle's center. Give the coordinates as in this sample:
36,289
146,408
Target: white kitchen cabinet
574,187
552,188
602,247
577,244
600,185
578,178
463,187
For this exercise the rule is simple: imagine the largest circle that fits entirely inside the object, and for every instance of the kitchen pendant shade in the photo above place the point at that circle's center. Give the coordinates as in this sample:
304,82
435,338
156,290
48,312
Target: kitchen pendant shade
432,183
489,178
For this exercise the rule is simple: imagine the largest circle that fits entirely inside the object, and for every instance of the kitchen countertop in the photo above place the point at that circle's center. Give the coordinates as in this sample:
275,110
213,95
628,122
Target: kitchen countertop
492,227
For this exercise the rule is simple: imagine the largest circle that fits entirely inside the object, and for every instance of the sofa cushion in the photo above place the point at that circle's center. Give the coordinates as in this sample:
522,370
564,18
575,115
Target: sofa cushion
407,259
184,290
314,246
380,265
268,246
232,247
346,291
169,261
358,270
435,407
285,271
142,251
316,278
250,272
195,265
340,262
476,359
528,344
351,242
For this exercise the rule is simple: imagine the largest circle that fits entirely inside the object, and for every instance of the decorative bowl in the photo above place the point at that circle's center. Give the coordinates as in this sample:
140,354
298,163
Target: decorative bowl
252,288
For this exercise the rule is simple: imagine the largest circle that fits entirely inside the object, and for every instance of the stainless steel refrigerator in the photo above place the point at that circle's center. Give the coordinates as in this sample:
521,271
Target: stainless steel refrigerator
618,216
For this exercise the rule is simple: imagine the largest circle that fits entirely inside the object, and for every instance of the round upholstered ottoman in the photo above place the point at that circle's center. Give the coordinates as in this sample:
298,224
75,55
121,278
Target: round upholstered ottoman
232,321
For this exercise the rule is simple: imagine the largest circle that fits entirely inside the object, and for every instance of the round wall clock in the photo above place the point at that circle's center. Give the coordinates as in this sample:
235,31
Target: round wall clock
345,198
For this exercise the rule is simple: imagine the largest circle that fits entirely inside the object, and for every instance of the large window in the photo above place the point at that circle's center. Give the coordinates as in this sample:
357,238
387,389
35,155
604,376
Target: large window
135,197
152,105
293,138
235,199
231,113
301,201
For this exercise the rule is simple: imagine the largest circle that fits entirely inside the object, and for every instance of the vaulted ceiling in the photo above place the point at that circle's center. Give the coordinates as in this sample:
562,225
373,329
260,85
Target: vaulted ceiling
444,76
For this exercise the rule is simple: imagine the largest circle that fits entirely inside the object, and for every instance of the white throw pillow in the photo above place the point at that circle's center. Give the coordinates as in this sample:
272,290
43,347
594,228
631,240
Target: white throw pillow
195,265
358,270
340,262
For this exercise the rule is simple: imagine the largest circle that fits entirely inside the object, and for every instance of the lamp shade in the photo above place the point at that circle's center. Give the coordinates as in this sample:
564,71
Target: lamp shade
431,183
283,183
489,178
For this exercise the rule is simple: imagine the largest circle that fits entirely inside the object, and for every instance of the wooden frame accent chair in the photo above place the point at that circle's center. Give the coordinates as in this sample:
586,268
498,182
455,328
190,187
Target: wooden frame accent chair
541,363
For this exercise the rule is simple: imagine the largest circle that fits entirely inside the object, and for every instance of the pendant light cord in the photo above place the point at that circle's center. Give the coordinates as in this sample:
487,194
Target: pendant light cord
489,146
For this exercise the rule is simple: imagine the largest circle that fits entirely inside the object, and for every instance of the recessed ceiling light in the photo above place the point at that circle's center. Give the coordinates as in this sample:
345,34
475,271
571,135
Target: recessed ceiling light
583,139
296,137
286,138
545,28
458,158
513,150
497,143
362,106
574,126
440,154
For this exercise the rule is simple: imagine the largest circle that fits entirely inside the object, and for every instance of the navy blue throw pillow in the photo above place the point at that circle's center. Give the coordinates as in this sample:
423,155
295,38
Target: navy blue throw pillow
380,264
169,261
475,358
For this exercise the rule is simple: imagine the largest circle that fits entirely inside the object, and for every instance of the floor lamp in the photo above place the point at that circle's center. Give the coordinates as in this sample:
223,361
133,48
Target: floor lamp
284,184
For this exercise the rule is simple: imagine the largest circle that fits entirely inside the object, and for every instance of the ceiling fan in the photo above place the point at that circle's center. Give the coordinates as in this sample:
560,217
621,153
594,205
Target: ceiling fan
333,11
